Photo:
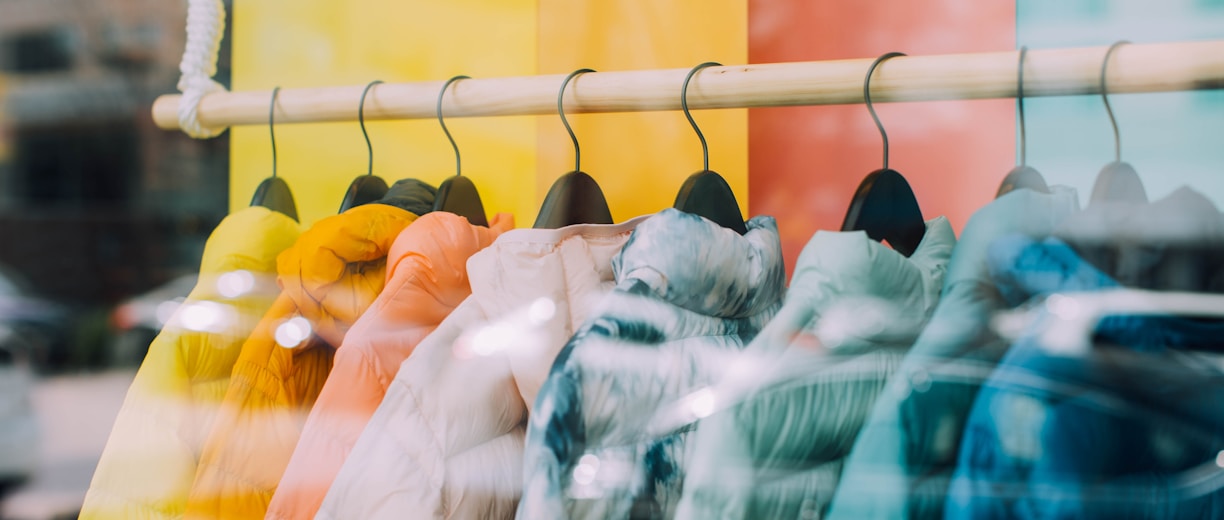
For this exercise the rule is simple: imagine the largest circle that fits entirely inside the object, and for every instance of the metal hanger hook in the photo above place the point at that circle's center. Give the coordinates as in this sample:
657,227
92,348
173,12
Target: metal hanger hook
272,126
361,120
441,95
1020,106
705,149
867,99
561,111
1105,96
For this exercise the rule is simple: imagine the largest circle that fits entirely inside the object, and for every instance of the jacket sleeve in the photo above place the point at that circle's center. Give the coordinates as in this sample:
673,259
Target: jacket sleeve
555,435
148,465
905,435
258,423
348,399
779,453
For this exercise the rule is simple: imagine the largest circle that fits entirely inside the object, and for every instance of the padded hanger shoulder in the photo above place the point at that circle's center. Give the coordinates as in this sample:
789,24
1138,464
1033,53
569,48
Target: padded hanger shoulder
273,193
1118,182
363,190
1022,177
458,195
575,198
885,207
707,194
366,188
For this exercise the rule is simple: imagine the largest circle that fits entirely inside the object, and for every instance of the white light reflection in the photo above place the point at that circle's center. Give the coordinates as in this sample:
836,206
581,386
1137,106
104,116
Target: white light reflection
235,283
1220,459
702,403
584,472
203,316
293,332
541,310
165,310
488,340
1063,306
522,330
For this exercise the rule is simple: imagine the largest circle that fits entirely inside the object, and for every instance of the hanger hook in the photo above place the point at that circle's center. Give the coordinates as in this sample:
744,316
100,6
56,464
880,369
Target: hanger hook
867,99
1105,96
361,120
1020,106
561,110
272,127
705,149
441,95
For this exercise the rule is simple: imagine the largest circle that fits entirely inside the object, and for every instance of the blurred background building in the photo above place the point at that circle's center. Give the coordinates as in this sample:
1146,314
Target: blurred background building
97,204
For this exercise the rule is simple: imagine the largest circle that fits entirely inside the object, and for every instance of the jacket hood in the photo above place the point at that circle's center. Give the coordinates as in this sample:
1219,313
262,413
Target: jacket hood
248,239
852,291
522,265
700,266
430,256
337,267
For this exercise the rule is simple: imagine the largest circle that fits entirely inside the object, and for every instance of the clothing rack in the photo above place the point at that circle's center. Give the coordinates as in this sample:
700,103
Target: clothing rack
1158,67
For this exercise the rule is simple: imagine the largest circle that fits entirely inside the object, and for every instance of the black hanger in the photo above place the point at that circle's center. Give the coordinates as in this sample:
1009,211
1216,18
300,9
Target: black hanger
366,188
457,194
1022,176
273,193
706,193
575,198
1117,181
884,204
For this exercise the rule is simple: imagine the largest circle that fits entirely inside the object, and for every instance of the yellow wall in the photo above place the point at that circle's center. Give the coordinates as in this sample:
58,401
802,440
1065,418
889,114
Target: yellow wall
639,159
642,159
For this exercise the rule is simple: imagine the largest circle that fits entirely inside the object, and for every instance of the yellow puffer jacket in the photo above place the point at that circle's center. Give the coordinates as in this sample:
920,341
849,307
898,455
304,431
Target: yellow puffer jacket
329,278
149,462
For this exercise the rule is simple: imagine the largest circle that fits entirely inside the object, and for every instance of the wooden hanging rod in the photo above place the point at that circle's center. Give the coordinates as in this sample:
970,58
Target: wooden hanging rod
1159,67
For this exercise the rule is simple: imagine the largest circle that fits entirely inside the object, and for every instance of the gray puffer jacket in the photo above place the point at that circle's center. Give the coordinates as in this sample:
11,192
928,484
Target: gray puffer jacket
607,436
853,308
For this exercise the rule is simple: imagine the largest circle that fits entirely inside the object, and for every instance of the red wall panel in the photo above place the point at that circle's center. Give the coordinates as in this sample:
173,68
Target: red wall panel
805,162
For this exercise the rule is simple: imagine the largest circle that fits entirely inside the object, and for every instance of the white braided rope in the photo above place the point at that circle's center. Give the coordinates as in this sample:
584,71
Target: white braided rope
205,28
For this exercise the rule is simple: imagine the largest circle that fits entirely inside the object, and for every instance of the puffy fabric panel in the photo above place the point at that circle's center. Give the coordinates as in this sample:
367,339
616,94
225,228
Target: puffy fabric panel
149,462
329,278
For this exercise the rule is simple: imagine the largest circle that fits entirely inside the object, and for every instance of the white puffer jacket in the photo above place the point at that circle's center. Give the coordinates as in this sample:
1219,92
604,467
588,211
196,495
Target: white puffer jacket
447,440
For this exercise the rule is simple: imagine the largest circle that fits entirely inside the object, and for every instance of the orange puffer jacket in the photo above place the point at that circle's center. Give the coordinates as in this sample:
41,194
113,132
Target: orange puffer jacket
426,279
328,279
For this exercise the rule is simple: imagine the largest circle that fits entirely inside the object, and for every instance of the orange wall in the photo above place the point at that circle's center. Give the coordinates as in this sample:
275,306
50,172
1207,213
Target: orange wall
806,162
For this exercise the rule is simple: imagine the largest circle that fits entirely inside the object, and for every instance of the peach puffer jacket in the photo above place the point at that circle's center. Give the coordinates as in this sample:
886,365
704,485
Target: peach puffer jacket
328,279
426,279
149,462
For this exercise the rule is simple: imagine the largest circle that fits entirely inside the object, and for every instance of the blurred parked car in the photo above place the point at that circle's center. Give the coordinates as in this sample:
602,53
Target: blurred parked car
18,426
40,326
138,320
